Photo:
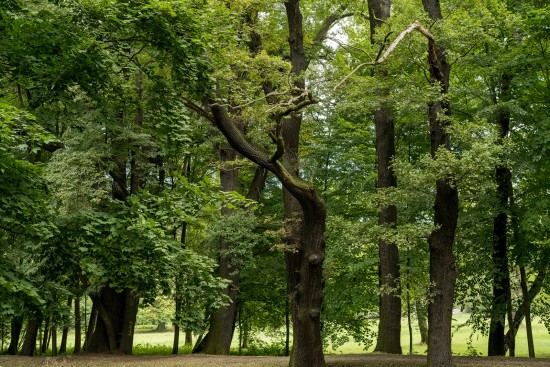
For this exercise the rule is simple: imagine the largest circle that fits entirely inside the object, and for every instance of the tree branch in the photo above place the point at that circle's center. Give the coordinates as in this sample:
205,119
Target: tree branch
380,59
322,32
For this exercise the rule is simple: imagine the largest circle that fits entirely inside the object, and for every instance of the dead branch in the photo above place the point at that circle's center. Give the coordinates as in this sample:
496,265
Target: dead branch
380,59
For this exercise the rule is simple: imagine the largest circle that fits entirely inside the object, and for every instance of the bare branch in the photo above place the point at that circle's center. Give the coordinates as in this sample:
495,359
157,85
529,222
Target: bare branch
415,26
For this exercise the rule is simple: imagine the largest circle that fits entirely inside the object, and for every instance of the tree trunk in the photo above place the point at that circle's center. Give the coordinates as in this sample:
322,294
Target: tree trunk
114,329
46,336
91,327
64,336
501,274
441,240
188,337
533,292
16,326
77,326
389,326
421,314
222,322
527,307
54,339
29,344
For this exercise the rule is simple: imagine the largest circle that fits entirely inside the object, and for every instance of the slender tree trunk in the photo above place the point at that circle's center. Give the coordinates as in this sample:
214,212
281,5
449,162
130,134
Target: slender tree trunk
29,344
441,240
527,307
91,327
54,339
15,329
501,275
188,337
64,336
533,292
46,335
389,326
421,313
77,326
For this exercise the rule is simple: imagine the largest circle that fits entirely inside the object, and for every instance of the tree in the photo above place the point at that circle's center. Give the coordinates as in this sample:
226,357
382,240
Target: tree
389,327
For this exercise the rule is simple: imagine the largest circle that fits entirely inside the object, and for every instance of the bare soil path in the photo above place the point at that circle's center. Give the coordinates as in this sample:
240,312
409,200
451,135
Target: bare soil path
357,360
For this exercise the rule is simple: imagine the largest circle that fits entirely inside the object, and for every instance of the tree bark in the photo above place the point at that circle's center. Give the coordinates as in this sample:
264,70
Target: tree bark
114,329
54,339
441,240
421,314
15,333
65,334
501,274
91,327
77,327
521,311
46,335
222,322
527,307
389,326
29,344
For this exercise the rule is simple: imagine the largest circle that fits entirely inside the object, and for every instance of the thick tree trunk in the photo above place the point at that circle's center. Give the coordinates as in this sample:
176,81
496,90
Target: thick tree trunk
114,329
15,330
441,240
501,274
77,327
29,344
389,326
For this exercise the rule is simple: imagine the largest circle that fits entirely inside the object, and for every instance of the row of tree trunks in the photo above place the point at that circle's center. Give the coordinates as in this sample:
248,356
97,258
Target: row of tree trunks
389,326
441,240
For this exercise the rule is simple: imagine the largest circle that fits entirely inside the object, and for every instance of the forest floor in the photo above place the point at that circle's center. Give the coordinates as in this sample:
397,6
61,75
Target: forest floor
355,360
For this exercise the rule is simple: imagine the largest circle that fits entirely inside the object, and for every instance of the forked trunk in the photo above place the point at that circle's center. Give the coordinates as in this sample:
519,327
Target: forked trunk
114,329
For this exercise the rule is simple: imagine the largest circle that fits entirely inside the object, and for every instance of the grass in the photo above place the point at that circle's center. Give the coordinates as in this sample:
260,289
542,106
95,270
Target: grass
464,343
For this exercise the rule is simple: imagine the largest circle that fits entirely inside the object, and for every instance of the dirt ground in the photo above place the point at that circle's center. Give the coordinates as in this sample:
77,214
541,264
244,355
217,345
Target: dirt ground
363,360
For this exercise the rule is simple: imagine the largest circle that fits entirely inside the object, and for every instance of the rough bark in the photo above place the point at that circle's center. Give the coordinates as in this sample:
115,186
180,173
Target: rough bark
389,326
29,344
441,240
501,274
